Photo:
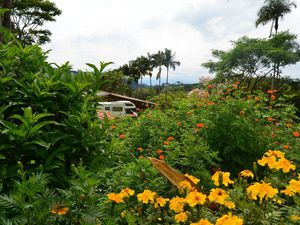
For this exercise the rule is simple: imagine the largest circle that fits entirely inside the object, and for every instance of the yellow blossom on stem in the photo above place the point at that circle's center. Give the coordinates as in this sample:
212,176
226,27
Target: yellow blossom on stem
146,197
218,195
224,176
192,178
186,185
117,198
229,204
229,220
261,190
160,201
176,204
293,188
181,217
285,165
247,173
195,198
127,192
202,222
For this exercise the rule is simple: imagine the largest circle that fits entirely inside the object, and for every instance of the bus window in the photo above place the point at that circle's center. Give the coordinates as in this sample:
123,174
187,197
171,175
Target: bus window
117,109
107,108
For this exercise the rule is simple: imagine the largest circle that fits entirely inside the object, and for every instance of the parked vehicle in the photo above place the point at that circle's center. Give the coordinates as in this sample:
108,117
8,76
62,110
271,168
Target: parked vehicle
118,108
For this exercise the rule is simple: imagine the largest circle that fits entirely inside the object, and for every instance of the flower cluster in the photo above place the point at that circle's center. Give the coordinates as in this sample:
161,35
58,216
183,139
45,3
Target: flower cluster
119,197
293,187
261,190
276,160
223,177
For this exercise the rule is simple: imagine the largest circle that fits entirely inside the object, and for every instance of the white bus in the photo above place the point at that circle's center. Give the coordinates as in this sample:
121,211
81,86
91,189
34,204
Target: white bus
118,108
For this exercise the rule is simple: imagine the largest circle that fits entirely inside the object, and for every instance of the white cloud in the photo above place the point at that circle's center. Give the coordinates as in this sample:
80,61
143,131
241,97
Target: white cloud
121,30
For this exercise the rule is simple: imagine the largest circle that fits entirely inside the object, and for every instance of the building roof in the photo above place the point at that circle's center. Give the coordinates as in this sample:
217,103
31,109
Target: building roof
138,102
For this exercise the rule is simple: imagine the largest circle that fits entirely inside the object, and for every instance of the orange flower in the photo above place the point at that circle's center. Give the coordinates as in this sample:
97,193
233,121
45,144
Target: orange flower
166,143
59,210
146,197
122,136
170,138
161,157
181,217
237,82
296,134
200,125
273,97
270,119
211,103
225,178
117,198
113,126
247,173
286,147
179,123
188,113
210,86
159,151
140,149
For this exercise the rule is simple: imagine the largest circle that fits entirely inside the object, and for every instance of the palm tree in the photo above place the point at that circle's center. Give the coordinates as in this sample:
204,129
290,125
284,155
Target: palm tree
272,11
169,62
157,61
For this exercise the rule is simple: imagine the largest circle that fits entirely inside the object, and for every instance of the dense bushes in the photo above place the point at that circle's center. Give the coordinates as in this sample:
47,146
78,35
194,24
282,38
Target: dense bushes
58,161
47,115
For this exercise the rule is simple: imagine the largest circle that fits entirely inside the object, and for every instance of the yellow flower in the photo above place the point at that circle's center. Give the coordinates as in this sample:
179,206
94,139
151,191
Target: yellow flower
176,204
127,192
229,204
186,185
192,178
261,190
117,198
224,176
276,153
218,195
202,222
295,217
146,197
229,220
181,217
285,165
292,188
160,201
269,161
194,198
247,173
276,160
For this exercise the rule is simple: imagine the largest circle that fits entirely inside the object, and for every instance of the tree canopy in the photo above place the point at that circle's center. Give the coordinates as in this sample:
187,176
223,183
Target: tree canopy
253,58
28,17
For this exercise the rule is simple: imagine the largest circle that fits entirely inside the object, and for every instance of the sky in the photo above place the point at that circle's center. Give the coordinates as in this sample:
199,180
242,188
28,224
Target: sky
118,31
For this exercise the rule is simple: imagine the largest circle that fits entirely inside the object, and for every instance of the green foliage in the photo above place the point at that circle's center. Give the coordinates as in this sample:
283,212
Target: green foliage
28,16
251,60
48,115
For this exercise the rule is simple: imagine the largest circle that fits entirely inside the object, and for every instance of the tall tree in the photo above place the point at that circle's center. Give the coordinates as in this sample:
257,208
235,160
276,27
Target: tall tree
158,61
272,11
251,60
169,62
28,16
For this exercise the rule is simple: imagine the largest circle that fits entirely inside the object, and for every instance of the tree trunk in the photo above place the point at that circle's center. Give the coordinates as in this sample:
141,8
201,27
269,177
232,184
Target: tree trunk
141,85
276,25
150,81
167,83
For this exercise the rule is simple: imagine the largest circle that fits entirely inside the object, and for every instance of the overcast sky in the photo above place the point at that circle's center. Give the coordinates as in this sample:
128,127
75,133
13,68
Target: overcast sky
90,31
